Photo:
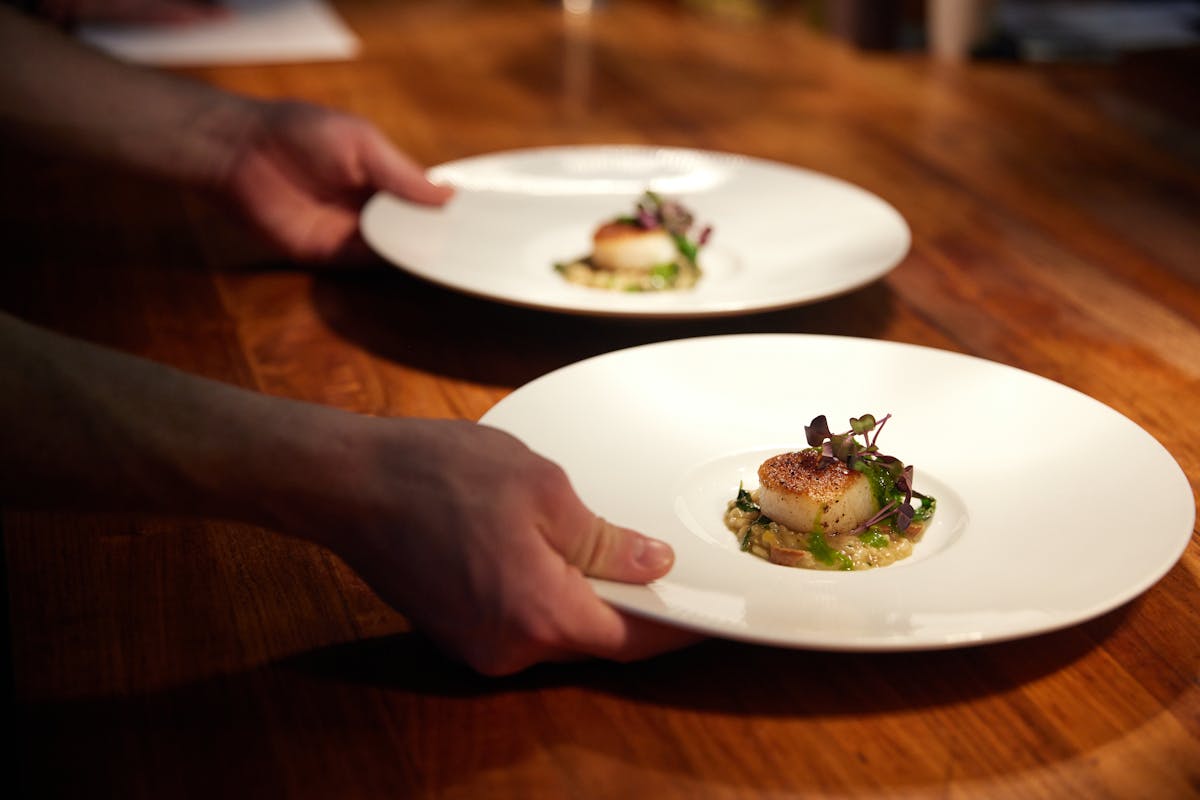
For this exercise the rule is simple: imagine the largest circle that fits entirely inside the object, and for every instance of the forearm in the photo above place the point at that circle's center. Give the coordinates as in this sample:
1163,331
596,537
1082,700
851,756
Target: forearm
480,542
90,428
61,95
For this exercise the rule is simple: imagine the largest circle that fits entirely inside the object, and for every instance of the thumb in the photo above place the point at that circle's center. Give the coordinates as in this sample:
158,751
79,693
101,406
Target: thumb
620,554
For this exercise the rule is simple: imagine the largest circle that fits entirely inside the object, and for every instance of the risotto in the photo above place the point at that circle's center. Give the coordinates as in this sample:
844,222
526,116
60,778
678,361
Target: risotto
678,274
877,546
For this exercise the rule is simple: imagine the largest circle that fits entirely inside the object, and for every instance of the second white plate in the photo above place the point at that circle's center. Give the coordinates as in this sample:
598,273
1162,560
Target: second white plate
783,236
1052,507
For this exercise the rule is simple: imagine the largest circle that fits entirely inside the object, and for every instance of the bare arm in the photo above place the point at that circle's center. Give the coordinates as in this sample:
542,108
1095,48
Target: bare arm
479,541
66,97
97,429
300,173
482,543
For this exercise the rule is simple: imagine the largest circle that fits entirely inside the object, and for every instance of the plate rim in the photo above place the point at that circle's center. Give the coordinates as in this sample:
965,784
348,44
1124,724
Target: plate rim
714,310
618,594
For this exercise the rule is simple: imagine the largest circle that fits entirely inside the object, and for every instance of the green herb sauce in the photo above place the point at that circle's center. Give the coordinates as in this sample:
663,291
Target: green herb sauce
873,537
825,554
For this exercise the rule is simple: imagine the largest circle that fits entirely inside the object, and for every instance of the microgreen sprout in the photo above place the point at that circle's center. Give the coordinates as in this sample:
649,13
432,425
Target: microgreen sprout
865,456
653,212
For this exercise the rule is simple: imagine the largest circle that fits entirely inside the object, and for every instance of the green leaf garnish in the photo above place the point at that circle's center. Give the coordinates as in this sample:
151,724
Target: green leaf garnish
863,424
743,501
686,247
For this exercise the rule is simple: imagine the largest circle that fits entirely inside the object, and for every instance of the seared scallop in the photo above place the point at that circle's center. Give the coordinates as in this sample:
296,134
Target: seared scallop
801,492
624,246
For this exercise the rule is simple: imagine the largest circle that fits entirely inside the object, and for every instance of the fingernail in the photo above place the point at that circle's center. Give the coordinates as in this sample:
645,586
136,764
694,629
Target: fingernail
653,555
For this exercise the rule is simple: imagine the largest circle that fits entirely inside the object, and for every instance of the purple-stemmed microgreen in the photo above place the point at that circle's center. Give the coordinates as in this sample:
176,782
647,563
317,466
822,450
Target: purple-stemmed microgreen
654,212
864,456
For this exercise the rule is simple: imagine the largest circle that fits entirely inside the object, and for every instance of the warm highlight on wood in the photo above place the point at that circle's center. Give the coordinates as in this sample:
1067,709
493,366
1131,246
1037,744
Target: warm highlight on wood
1055,213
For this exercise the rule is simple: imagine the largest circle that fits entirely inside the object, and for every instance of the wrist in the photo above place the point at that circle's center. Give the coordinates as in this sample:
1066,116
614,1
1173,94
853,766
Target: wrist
212,130
301,471
63,97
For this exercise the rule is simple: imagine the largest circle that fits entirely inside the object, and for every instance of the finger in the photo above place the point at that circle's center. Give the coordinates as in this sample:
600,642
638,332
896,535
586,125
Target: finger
596,629
391,171
645,638
356,253
620,554
561,619
641,639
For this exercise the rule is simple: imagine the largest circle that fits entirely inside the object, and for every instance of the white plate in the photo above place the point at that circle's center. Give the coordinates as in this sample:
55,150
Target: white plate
782,236
1053,508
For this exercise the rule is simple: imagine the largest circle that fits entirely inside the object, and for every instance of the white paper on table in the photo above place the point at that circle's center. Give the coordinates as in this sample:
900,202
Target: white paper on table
255,32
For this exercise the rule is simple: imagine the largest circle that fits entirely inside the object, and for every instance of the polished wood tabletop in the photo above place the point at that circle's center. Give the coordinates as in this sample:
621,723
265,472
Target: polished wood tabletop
1055,217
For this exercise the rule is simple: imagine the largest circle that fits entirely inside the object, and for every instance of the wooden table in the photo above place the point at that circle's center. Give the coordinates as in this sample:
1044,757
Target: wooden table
1055,222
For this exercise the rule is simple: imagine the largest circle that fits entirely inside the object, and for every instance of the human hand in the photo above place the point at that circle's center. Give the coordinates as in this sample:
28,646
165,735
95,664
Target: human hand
298,172
483,545
131,11
480,542
303,172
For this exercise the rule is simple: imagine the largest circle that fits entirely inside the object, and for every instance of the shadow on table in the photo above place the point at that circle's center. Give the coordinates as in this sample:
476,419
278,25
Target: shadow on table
729,677
393,717
409,321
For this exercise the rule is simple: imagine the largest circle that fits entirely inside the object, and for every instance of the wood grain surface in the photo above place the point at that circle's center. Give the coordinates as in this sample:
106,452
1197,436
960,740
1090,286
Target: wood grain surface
1054,212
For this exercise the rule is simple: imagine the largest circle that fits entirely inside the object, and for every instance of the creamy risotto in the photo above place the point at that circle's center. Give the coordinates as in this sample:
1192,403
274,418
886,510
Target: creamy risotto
678,274
876,546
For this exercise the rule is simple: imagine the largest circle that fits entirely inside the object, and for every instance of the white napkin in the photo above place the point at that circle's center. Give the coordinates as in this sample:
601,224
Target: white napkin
256,32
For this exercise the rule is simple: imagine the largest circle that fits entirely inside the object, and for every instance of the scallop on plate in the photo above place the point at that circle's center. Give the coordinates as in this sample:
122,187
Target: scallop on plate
780,235
1024,539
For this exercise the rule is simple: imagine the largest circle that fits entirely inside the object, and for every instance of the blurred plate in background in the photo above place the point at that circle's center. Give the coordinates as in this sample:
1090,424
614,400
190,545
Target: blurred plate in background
782,236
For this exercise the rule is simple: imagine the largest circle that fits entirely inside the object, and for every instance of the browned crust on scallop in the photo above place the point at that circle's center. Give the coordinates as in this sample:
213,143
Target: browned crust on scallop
804,473
611,231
